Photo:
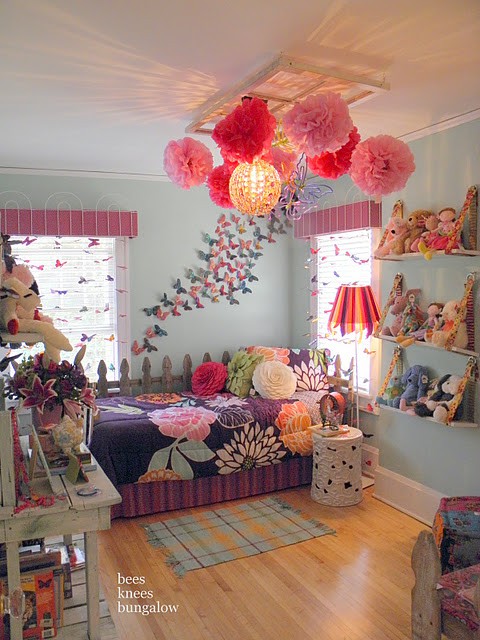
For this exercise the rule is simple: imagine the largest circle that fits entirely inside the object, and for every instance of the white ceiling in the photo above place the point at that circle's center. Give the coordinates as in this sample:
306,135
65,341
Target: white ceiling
102,85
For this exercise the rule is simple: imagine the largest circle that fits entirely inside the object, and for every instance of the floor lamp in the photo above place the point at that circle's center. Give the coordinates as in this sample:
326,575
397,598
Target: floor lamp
355,310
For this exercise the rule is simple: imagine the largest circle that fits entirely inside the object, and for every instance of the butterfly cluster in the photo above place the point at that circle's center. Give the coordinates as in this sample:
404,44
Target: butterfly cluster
225,271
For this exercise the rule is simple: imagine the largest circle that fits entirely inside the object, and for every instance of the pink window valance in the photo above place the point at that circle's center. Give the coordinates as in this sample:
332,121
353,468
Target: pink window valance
53,222
347,217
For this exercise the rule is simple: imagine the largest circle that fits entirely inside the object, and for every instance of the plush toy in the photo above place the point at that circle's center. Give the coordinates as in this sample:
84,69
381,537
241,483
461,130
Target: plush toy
396,309
19,312
415,381
412,319
430,324
439,336
431,224
416,226
394,390
397,229
440,237
438,404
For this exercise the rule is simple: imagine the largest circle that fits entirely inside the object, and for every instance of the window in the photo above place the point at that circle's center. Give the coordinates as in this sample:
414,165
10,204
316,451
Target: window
343,258
82,287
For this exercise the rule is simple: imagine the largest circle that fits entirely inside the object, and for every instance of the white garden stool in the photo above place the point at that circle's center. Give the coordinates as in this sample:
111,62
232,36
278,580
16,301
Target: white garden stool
337,469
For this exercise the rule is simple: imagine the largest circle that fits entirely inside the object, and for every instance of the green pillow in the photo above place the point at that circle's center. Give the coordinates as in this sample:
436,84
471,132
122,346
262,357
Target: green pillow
240,372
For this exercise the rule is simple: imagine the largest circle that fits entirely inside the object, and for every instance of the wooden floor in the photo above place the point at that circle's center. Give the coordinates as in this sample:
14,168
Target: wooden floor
354,585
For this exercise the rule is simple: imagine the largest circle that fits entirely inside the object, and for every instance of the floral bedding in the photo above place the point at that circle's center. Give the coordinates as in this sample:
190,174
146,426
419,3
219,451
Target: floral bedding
180,436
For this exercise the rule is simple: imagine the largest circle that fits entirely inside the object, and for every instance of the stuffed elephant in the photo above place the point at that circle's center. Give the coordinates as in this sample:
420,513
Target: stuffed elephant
415,380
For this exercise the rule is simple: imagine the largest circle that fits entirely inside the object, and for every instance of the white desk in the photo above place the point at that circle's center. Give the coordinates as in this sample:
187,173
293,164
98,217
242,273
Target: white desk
75,514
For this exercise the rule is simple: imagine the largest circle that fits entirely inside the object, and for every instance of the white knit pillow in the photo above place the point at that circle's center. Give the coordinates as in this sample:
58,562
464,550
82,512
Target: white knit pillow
274,380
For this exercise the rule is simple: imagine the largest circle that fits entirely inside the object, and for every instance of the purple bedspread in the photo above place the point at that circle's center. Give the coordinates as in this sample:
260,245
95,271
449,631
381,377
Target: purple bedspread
180,436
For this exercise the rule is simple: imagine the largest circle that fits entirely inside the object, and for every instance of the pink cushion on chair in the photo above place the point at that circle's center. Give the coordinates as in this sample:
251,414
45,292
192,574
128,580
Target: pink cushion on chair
456,593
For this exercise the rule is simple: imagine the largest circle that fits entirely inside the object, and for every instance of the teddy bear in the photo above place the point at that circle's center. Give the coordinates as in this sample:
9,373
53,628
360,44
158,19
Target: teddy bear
394,390
396,309
19,313
439,336
430,225
416,225
397,231
437,405
415,381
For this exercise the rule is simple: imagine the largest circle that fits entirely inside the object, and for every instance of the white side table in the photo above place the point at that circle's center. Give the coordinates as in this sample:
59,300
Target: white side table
337,469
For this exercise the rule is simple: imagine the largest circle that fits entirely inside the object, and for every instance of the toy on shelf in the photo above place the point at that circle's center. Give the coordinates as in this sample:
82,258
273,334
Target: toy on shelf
438,404
397,232
447,234
432,322
426,233
400,308
412,317
415,380
416,222
430,226
20,307
439,336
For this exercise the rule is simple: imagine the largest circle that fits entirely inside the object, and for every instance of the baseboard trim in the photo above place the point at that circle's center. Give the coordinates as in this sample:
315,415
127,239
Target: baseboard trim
406,495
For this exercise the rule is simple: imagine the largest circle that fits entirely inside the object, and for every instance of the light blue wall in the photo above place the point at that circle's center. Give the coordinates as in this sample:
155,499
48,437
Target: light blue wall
445,459
171,221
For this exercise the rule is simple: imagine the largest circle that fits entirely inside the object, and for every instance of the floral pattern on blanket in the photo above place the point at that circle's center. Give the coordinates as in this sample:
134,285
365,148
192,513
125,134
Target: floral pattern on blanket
144,439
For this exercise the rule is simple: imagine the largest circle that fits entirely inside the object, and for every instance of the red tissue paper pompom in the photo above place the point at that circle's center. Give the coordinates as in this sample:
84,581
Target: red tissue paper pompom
209,378
381,165
247,132
218,182
318,124
187,162
335,164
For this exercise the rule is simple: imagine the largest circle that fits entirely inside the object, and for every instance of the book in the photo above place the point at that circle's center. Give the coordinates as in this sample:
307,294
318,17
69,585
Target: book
40,615
58,463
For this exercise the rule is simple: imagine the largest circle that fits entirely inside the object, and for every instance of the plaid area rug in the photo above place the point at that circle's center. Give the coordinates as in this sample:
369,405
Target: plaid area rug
211,537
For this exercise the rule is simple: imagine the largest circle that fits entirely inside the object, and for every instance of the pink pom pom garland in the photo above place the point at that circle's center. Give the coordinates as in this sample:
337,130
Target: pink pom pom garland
187,162
381,165
318,124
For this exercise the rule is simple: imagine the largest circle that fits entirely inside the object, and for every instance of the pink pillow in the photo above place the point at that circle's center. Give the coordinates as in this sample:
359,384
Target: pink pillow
209,378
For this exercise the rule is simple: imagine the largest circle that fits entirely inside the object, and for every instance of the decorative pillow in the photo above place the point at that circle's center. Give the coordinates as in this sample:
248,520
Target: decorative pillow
271,353
293,422
274,380
209,378
310,367
240,372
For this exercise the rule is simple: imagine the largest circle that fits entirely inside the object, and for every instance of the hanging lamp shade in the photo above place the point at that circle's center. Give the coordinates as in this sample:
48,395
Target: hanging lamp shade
255,187
354,310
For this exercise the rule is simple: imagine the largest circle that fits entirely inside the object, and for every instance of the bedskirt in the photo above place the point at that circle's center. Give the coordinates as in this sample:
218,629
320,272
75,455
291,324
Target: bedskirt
144,498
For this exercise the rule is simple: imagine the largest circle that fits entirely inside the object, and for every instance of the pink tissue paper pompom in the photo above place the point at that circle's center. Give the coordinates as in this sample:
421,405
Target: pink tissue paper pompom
333,164
381,165
187,162
218,182
285,162
246,133
318,124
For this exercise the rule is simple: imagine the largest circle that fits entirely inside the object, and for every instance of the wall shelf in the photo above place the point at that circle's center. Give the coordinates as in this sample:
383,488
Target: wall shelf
464,253
428,345
455,425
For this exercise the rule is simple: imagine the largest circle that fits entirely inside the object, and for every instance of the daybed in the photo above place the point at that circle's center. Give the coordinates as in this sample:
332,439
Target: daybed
233,450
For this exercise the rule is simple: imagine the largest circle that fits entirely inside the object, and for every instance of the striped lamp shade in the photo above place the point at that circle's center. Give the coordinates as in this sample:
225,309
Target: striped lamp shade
354,310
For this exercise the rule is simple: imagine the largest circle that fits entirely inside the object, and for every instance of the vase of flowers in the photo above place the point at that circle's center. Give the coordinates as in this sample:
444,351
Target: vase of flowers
51,390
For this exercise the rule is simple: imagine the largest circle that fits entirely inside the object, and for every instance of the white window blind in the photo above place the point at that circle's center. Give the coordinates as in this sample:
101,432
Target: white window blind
82,288
342,259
